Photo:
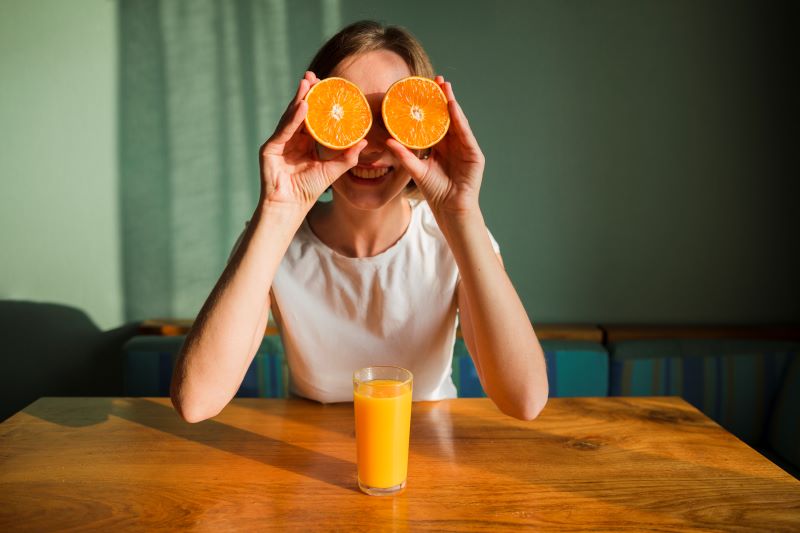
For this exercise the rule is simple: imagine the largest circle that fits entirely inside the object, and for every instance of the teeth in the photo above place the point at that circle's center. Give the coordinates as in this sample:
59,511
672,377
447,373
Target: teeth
369,173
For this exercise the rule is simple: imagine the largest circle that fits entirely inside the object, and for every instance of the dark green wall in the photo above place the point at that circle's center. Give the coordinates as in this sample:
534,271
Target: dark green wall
638,153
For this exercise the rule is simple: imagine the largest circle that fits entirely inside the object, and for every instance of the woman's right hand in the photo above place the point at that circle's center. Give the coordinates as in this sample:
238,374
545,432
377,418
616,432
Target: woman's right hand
290,171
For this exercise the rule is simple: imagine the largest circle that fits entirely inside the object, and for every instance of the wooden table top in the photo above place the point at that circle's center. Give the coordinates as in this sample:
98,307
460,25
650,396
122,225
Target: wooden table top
607,464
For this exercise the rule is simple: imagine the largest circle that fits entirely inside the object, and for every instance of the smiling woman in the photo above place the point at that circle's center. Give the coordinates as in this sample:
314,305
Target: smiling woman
372,278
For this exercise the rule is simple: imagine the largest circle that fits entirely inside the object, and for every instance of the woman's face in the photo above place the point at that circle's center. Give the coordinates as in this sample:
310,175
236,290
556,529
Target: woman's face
378,178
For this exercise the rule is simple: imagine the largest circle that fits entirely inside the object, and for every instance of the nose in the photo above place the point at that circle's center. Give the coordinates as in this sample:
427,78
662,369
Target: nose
377,135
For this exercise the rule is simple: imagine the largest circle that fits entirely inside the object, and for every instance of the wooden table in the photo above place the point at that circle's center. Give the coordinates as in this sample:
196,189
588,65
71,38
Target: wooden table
610,464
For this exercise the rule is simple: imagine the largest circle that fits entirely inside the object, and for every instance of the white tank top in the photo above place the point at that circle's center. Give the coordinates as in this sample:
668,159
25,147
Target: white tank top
398,308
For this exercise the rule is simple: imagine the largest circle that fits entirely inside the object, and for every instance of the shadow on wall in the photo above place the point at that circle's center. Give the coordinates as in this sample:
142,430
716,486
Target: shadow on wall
56,350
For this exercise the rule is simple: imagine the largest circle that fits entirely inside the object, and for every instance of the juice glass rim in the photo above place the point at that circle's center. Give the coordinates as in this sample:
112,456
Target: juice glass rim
409,379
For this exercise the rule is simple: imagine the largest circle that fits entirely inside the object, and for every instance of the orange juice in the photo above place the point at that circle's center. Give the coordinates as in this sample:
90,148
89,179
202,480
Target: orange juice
383,418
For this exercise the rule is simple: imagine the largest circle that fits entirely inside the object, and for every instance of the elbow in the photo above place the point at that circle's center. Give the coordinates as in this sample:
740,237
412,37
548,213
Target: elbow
191,411
192,415
532,409
534,399
537,401
189,399
528,407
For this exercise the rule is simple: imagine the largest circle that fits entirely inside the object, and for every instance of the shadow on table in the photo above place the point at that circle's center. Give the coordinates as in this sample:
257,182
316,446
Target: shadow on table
246,444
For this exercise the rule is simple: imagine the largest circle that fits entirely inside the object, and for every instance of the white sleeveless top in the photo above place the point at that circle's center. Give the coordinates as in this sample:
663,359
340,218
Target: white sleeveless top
398,308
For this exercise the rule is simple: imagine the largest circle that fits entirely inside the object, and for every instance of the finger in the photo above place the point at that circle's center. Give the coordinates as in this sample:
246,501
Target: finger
407,159
448,91
459,122
439,80
311,78
337,166
302,89
291,124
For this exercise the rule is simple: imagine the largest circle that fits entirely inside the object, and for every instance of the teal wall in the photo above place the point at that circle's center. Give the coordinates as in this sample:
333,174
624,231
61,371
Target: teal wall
639,165
638,158
59,231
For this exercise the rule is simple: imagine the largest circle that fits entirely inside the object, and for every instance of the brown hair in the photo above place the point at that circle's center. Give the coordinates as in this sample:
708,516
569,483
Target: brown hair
367,36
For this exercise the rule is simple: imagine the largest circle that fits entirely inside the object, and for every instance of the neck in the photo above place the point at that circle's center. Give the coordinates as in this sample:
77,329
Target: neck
360,232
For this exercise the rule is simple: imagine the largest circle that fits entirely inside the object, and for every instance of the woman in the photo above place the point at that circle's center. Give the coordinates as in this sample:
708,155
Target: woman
376,276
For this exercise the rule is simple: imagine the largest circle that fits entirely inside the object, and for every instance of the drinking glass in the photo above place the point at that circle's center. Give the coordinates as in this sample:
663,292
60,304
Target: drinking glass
382,402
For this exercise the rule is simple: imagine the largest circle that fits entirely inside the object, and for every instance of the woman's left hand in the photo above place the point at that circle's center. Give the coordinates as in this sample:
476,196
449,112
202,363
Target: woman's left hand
450,178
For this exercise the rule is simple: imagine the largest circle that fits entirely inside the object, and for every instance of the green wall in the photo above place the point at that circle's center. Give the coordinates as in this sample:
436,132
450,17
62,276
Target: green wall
639,165
59,240
638,158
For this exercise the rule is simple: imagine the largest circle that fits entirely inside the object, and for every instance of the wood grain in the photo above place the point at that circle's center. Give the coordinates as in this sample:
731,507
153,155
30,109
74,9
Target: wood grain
605,464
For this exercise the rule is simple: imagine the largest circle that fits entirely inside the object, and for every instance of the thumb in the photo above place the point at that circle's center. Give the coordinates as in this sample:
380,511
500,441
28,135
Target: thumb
407,159
343,162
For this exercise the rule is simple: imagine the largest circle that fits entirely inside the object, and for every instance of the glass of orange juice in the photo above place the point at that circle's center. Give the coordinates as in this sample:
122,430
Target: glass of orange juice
382,400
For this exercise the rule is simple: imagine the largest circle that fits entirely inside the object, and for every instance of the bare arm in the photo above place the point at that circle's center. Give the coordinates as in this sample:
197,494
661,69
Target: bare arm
230,326
231,323
496,328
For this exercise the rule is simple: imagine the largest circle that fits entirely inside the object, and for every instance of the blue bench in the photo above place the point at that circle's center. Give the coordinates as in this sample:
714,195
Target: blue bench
149,361
575,368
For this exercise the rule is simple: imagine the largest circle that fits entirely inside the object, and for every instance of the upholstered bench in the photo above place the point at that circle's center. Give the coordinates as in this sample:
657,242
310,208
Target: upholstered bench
574,368
149,360
782,443
577,364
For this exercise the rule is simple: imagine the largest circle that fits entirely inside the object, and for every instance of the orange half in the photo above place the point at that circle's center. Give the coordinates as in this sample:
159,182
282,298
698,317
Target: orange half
338,113
415,112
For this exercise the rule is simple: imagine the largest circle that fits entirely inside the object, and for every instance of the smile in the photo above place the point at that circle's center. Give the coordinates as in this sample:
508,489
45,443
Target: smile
369,173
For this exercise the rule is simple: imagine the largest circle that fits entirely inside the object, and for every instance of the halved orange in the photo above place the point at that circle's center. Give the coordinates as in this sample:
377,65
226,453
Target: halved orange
338,113
415,112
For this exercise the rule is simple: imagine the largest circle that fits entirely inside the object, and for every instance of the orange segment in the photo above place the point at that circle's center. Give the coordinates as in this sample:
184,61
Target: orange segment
415,112
338,113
